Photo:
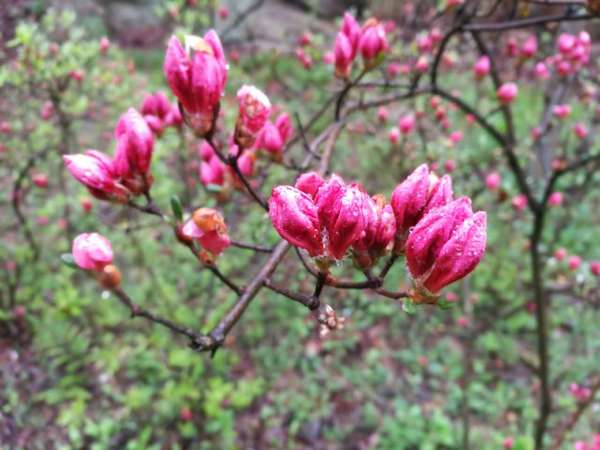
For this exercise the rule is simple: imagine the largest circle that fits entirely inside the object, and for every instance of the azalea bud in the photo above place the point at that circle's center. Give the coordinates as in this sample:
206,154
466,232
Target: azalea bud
341,215
507,93
47,110
110,277
446,245
415,196
294,216
555,199
580,130
530,47
304,58
95,171
174,118
91,251
135,144
595,268
508,443
254,111
406,124
223,12
212,172
380,229
40,180
155,125
309,183
450,166
455,137
208,228
382,114
86,205
104,45
271,140
424,43
328,58
561,111
560,254
343,53
205,151
156,104
482,67
372,42
422,64
493,181
541,71
574,262
197,77
352,31
565,43
394,135
519,202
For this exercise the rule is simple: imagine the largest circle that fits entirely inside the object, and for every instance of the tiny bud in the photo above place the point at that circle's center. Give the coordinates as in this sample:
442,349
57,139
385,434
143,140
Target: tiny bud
110,277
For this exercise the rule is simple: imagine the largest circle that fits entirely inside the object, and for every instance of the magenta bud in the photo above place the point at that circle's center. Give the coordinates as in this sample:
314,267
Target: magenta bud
92,251
482,67
294,216
446,245
507,93
309,183
380,228
341,214
254,110
372,41
343,53
212,172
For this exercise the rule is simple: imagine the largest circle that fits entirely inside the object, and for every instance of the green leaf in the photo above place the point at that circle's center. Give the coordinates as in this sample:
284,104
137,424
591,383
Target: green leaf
68,260
176,207
213,188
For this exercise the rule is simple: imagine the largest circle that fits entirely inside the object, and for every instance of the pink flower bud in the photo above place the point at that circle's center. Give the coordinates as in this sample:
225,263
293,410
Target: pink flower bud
305,39
328,58
541,71
561,111
555,199
455,137
406,124
416,195
394,69
382,114
380,229
92,251
519,202
422,64
104,45
309,183
372,41
352,30
94,170
284,125
508,443
254,111
560,254
340,210
343,53
530,47
156,105
394,135
536,133
574,262
197,77
595,268
270,140
135,144
565,43
493,181
507,93
424,43
40,180
580,130
213,240
580,445
446,245
47,110
155,124
450,166
294,215
174,118
482,67
304,58
86,205
223,12
246,163
212,172
205,151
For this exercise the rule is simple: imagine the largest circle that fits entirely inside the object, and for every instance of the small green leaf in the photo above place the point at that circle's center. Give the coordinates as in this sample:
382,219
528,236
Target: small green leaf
213,188
445,304
176,207
409,306
68,260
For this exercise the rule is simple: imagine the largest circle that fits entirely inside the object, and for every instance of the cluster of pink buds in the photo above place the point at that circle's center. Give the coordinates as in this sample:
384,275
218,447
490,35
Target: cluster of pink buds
274,136
93,252
443,239
159,113
580,393
370,41
128,173
254,110
573,53
329,217
197,75
594,444
215,173
482,67
208,229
